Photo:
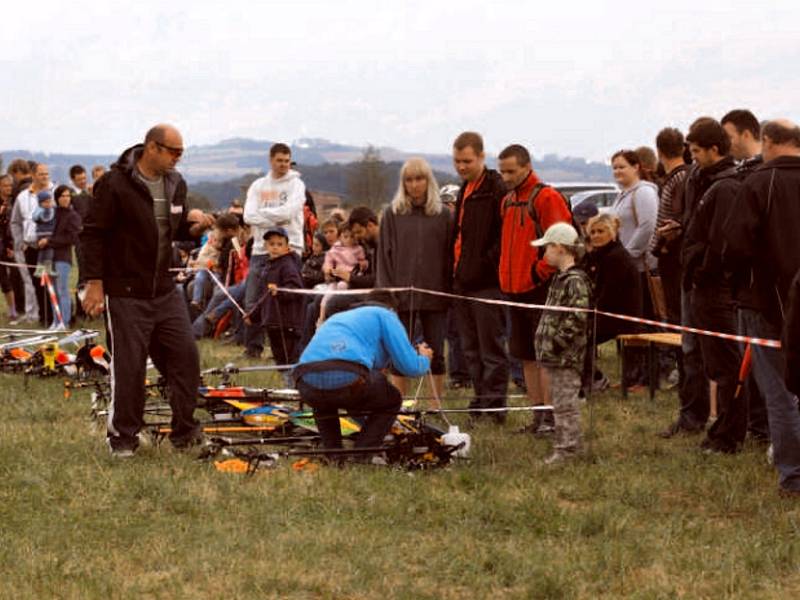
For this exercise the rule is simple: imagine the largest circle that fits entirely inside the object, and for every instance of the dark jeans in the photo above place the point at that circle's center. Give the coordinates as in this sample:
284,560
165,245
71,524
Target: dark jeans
457,369
722,359
375,402
482,328
782,406
434,326
285,342
42,297
669,268
255,287
693,387
19,290
159,327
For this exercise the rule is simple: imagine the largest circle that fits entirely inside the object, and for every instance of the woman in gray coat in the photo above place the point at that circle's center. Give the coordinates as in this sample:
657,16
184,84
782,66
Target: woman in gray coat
414,250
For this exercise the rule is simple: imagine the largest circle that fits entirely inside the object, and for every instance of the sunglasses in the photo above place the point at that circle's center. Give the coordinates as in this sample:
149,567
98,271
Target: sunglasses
175,152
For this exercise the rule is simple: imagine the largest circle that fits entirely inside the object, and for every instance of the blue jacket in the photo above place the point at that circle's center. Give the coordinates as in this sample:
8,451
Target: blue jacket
368,335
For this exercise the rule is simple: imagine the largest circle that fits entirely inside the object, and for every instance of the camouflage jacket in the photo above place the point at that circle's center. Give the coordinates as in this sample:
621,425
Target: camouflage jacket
561,335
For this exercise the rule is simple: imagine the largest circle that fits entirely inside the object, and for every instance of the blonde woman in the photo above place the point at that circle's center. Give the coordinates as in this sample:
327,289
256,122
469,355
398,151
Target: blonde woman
414,250
616,284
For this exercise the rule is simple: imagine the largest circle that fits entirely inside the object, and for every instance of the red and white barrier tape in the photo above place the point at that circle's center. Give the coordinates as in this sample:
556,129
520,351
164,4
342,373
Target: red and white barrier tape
727,336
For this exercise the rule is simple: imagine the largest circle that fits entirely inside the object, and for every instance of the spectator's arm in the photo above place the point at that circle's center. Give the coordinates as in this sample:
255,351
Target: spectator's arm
645,202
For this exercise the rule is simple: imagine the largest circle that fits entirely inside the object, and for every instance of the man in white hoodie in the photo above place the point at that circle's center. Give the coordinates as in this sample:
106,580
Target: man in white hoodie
275,200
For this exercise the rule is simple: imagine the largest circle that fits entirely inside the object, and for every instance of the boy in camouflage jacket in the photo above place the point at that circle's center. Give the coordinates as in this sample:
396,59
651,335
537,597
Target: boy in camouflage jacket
561,337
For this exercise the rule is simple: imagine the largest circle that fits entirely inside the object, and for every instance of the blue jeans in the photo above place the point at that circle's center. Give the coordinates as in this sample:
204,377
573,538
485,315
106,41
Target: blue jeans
216,309
782,409
255,286
201,282
62,291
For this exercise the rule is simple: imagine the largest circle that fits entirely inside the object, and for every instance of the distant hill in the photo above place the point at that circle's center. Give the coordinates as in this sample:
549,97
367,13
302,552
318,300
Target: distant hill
217,170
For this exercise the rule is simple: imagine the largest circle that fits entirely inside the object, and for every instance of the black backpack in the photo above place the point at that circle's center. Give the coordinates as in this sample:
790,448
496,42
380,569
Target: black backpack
535,217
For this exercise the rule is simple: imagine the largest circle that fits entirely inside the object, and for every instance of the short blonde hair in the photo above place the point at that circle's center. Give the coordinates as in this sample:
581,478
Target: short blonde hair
611,221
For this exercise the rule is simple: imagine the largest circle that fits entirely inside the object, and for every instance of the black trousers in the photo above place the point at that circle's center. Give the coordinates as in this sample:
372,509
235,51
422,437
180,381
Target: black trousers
375,401
722,359
158,327
285,344
42,298
482,328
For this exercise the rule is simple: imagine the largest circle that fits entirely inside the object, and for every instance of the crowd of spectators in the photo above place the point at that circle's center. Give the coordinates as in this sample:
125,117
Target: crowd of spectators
709,216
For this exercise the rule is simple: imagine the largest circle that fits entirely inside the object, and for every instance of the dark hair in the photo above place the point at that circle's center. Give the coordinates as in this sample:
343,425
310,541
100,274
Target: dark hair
743,120
60,190
469,139
32,165
519,152
778,133
321,239
227,221
707,133
383,298
670,142
19,166
76,170
630,157
6,176
648,162
279,148
362,215
344,226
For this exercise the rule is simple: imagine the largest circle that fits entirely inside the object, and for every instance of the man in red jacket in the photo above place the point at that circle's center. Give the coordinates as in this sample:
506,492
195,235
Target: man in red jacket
524,275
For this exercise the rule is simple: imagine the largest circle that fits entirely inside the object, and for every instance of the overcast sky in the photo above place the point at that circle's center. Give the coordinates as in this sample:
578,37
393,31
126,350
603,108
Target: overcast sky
574,78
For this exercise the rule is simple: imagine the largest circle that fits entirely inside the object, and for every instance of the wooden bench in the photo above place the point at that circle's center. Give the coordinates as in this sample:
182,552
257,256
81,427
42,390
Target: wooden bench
651,341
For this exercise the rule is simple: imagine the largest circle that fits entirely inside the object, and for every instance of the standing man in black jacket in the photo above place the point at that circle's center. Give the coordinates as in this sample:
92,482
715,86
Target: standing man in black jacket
761,241
138,208
476,252
711,300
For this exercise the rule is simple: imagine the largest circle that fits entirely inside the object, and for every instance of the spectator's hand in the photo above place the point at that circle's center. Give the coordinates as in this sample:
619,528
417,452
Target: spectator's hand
247,321
424,350
273,289
342,273
93,300
42,242
670,230
10,253
363,264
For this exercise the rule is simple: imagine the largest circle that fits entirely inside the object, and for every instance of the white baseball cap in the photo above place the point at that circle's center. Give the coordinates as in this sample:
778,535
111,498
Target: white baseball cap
559,233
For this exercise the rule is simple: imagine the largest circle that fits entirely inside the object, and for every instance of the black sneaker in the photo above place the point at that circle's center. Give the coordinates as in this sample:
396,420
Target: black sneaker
677,428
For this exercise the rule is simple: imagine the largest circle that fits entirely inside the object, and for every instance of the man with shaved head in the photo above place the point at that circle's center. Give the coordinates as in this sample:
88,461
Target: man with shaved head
138,208
761,250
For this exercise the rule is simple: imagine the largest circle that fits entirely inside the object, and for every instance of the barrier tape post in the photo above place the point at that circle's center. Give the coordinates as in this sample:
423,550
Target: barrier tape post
53,298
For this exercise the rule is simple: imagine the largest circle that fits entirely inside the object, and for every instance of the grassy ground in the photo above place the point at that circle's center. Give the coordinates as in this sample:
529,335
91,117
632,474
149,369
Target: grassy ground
640,517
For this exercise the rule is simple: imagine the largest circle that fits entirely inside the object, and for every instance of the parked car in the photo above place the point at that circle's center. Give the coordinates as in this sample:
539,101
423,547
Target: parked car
602,199
569,189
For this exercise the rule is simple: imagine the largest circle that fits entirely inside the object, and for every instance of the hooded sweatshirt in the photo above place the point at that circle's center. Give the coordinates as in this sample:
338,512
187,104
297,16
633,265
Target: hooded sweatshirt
637,209
276,203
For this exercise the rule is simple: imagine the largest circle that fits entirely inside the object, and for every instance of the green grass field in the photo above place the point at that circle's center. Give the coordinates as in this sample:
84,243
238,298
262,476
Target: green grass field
640,517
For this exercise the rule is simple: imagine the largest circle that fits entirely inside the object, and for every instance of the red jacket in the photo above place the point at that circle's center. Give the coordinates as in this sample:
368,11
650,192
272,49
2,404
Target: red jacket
520,268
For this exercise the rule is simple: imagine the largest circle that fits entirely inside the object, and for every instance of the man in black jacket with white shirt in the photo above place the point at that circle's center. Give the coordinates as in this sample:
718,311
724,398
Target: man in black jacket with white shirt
138,208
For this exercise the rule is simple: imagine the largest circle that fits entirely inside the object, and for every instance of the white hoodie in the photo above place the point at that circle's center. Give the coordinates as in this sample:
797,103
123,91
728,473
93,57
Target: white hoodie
276,203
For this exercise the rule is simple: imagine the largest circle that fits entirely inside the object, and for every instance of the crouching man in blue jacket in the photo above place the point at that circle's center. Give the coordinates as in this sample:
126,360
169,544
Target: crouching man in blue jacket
341,368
